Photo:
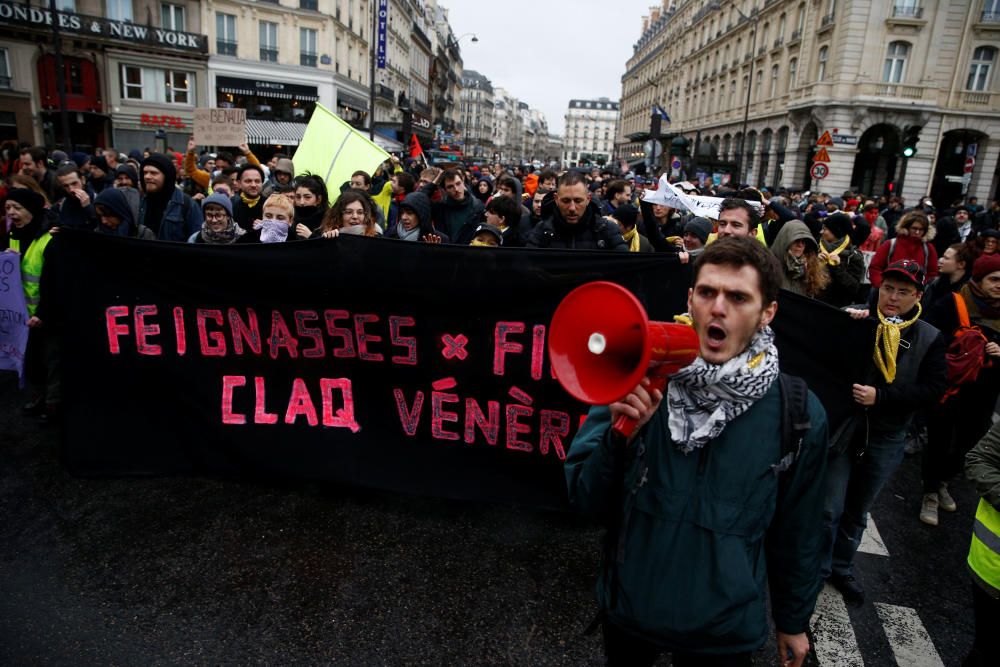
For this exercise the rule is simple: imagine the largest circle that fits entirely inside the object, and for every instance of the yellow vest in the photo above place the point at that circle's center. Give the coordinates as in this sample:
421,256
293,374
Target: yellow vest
714,236
31,268
984,552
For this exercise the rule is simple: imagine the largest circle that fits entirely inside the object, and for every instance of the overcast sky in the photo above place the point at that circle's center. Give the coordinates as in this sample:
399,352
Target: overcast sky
547,52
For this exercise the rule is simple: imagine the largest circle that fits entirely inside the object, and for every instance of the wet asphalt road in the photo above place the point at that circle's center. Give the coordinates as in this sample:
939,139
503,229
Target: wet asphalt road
190,570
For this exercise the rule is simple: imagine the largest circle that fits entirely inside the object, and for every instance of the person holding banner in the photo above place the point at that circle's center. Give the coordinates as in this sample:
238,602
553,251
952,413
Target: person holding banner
576,222
219,226
713,513
277,224
311,201
415,222
26,211
351,214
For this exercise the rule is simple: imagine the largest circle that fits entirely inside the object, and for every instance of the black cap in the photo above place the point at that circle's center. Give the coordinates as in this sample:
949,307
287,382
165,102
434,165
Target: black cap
490,229
908,270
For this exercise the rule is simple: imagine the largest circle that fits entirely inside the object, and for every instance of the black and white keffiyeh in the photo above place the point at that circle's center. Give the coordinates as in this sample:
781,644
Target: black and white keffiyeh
702,397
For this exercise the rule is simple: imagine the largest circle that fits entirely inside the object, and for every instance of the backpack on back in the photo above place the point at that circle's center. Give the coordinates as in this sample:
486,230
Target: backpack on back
966,354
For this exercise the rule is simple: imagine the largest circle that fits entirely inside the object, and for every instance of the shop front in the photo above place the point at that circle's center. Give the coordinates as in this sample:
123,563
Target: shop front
352,108
277,112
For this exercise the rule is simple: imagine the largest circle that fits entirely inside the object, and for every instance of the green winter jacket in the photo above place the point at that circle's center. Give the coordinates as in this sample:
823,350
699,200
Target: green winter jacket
702,533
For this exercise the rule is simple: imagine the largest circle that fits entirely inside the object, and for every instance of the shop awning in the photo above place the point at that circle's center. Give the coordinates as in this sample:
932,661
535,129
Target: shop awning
274,133
263,92
387,144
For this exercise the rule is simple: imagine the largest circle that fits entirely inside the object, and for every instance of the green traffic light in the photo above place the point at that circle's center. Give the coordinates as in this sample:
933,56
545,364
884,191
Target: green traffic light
909,151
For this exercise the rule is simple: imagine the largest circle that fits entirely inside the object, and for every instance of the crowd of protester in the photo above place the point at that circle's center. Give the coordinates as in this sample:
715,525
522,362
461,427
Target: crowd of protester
878,256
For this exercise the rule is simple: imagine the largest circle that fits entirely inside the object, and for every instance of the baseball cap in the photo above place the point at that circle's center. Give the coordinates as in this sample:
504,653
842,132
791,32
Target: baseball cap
908,270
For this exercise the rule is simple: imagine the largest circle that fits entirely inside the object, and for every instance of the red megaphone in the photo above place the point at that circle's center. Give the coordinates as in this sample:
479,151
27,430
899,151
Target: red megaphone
601,344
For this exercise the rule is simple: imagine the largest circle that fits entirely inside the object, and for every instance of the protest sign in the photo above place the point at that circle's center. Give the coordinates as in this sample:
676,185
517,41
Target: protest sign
220,127
667,194
13,315
373,362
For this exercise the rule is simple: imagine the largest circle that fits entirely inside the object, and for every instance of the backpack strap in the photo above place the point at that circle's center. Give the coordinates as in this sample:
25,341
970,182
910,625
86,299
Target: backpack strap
795,421
962,310
927,257
892,251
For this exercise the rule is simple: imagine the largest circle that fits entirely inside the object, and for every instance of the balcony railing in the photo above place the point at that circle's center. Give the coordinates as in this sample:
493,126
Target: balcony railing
897,90
905,12
306,59
385,93
225,47
979,99
796,36
268,55
761,50
826,21
421,107
990,17
778,42
747,57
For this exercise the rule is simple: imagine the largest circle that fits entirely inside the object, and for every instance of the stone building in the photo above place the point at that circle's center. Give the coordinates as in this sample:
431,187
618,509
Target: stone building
477,115
875,74
591,127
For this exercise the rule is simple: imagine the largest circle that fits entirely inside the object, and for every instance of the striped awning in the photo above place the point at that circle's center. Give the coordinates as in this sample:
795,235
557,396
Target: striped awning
274,133
264,92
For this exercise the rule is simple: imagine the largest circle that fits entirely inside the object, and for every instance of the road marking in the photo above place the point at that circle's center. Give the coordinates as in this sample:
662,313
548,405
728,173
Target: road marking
833,635
907,636
871,541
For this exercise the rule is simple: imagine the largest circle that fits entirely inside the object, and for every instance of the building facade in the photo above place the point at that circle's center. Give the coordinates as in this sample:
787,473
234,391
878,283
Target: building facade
477,115
508,127
279,58
134,71
875,75
591,127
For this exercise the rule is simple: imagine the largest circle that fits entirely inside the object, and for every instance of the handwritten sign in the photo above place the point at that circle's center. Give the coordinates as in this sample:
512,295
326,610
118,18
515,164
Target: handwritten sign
13,315
220,127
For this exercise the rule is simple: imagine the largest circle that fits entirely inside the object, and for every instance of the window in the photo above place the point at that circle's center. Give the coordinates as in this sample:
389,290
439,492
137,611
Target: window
781,27
269,41
65,5
120,10
307,40
895,62
151,84
172,16
802,17
774,81
177,89
793,70
821,69
308,4
909,8
131,82
979,69
760,82
4,70
991,10
225,34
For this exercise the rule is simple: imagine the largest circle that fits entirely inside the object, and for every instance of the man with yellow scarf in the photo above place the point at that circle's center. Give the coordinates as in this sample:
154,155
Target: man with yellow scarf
908,374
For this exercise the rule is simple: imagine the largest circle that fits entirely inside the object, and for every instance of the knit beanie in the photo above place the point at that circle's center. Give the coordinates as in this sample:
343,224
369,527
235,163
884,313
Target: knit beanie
219,200
985,265
700,227
129,171
285,165
626,214
839,224
30,200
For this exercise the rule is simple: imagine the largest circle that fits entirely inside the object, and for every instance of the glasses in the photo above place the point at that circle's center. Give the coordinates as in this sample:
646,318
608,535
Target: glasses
916,229
216,216
901,293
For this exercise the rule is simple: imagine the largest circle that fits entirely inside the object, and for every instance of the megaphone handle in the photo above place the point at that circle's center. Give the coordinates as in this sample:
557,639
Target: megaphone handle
625,425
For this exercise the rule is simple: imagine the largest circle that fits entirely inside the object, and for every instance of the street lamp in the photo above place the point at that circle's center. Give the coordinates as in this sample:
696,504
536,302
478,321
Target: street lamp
455,40
753,18
654,122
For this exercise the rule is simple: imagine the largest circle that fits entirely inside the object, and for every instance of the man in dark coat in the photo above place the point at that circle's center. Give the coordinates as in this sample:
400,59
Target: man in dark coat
458,206
248,205
575,221
164,208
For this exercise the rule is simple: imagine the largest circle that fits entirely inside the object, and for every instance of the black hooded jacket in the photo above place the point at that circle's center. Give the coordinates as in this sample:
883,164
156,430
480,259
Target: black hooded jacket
115,200
420,203
592,232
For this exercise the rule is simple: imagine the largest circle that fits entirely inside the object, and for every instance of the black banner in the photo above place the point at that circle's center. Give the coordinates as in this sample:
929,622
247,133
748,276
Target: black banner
380,363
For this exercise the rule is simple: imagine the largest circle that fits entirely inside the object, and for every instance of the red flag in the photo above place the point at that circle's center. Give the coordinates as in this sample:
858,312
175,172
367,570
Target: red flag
416,150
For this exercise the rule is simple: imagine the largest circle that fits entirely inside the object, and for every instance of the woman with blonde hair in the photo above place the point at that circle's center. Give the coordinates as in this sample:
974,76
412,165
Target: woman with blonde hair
351,214
277,225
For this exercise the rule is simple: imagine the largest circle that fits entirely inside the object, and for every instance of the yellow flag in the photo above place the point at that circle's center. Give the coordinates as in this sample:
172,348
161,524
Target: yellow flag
333,150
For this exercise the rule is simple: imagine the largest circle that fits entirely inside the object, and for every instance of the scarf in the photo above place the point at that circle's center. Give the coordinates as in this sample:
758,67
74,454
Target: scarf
272,231
887,343
412,235
227,235
702,397
249,202
833,250
795,267
632,238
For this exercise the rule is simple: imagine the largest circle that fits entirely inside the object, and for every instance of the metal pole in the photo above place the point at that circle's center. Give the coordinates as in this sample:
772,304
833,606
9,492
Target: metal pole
371,87
60,77
746,109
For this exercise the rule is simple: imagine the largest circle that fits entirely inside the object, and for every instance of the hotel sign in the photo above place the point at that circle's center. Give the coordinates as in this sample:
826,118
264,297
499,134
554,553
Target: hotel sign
21,16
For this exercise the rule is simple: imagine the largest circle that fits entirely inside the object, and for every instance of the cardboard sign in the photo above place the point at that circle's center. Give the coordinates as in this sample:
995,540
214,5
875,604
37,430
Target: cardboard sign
220,127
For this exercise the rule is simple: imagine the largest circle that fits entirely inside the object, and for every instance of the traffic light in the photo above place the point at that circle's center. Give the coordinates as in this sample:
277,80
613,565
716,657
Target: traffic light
911,135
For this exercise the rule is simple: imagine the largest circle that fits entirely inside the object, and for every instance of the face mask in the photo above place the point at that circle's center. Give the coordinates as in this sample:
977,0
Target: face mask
305,211
355,230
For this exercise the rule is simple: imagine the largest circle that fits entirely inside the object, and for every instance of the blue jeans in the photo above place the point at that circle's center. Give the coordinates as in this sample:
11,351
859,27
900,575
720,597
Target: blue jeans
851,488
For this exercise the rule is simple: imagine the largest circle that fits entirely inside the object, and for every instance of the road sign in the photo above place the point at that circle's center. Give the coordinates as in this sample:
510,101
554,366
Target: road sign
845,139
821,156
825,140
819,171
970,162
675,164
970,150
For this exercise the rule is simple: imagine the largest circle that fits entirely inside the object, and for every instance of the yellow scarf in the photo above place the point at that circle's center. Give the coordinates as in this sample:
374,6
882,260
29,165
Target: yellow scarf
632,236
249,202
832,255
887,344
